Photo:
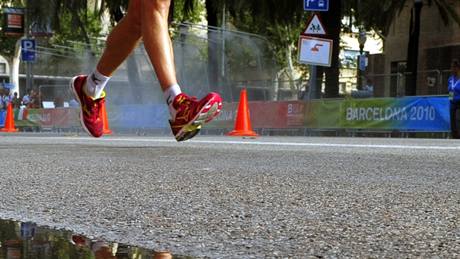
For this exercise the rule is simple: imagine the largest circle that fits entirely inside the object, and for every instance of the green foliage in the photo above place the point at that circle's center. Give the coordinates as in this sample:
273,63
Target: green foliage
7,43
279,21
69,31
379,15
114,8
281,33
187,10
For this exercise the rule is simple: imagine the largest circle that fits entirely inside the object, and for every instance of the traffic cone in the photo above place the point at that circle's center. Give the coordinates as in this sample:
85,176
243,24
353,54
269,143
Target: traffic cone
243,122
162,255
105,121
9,120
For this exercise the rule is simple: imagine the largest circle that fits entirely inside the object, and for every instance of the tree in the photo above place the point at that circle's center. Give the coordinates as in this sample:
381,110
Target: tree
279,21
376,15
68,19
10,47
333,23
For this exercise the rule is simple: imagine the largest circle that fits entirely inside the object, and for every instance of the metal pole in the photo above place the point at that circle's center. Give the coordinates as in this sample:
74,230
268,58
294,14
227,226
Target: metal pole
223,40
359,83
312,88
28,64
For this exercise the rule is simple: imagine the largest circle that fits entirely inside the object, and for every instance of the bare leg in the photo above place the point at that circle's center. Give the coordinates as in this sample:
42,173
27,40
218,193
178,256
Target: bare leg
122,40
154,28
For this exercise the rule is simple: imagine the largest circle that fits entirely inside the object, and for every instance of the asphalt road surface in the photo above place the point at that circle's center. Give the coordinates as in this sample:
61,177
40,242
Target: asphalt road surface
219,197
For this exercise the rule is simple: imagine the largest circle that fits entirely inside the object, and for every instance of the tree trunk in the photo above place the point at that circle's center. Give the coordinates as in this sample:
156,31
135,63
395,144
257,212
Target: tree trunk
412,50
333,24
14,68
213,65
317,92
290,71
171,12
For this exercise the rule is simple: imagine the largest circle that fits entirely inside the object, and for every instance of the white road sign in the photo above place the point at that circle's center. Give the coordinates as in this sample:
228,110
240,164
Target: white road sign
314,27
315,51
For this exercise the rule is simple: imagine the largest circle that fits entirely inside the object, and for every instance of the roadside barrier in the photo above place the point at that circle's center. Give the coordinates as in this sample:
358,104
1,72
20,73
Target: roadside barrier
425,114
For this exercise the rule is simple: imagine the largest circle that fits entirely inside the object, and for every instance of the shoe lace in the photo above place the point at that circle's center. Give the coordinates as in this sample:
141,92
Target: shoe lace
187,100
186,104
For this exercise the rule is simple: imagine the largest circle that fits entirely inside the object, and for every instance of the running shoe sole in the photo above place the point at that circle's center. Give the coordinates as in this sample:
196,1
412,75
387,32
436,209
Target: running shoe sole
194,126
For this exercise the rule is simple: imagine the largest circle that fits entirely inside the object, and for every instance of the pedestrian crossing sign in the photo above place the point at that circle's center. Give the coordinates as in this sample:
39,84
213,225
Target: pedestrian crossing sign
314,27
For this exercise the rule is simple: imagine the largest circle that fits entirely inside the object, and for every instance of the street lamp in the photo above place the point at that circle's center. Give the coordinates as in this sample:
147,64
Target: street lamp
361,40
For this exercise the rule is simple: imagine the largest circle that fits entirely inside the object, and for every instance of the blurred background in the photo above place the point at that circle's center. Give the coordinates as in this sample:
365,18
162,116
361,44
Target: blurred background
381,49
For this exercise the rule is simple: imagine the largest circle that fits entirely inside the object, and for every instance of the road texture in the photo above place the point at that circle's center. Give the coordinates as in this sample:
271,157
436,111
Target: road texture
222,197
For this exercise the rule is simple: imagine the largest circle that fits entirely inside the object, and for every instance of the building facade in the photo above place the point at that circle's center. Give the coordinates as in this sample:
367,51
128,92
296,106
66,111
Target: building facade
439,44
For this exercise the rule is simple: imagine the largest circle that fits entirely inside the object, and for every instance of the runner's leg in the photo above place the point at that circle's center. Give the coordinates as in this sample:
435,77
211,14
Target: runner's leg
155,33
122,40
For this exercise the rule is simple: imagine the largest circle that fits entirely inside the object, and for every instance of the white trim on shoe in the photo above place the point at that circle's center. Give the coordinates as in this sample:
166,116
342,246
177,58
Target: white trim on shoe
72,85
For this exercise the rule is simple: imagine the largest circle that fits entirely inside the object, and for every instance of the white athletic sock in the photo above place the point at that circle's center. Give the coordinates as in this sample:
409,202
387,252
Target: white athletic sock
95,84
169,95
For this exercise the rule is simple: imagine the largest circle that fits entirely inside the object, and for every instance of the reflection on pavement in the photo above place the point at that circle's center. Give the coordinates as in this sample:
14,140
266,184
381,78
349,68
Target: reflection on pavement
25,240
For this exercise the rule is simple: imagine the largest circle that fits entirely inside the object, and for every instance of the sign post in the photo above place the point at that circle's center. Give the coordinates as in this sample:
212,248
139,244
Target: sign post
13,21
28,47
362,62
314,26
314,51
316,5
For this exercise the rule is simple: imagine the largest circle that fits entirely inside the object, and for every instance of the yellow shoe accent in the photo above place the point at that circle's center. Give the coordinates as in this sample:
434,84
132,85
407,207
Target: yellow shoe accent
102,95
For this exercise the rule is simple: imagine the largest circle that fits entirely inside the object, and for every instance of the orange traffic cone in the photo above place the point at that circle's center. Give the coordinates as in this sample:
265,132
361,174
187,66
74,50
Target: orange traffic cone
243,122
162,255
9,120
105,121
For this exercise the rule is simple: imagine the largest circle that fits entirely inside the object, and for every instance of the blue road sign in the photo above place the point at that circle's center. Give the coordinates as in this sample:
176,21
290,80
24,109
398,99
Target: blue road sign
316,5
28,50
362,62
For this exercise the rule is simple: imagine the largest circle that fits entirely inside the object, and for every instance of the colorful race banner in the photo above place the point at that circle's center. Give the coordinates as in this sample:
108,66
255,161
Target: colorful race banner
276,115
149,116
425,114
405,114
46,118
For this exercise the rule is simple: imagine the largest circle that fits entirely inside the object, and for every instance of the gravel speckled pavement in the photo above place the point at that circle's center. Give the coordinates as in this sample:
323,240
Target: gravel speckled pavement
224,197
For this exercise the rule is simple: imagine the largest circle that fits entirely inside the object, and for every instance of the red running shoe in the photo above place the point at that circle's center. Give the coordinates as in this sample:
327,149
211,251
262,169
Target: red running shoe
192,114
90,116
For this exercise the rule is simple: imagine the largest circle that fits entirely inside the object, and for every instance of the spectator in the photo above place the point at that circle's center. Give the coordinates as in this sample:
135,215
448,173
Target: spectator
7,98
454,97
59,101
2,98
16,101
34,100
26,98
369,86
